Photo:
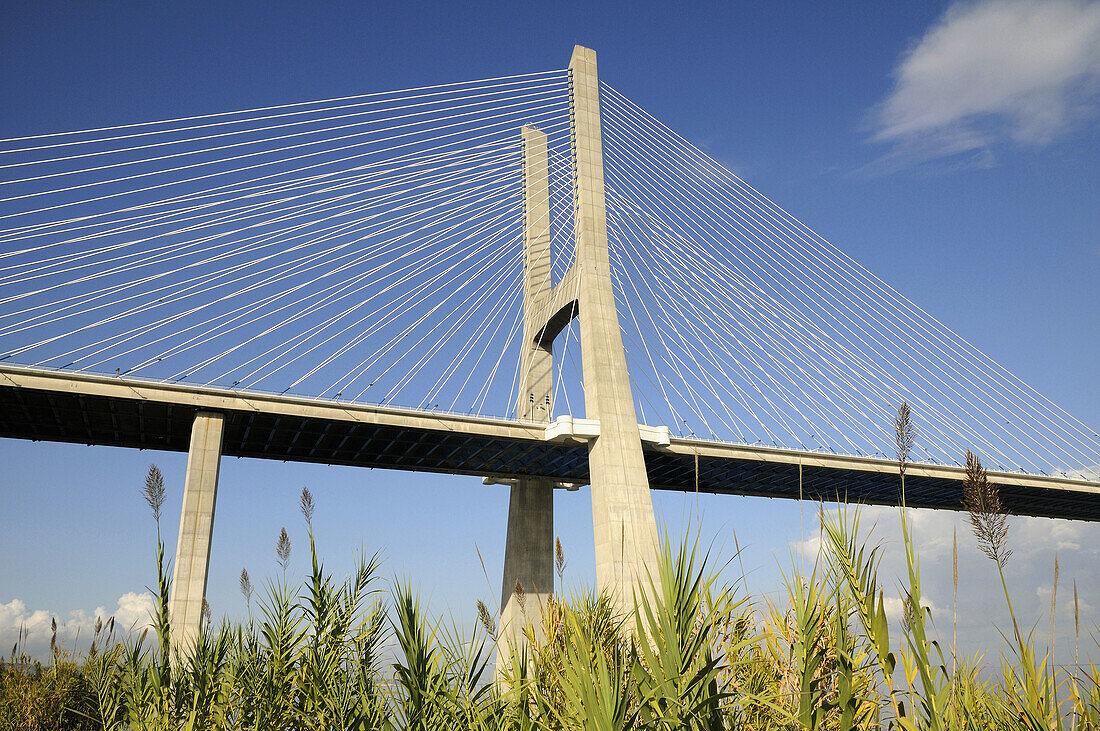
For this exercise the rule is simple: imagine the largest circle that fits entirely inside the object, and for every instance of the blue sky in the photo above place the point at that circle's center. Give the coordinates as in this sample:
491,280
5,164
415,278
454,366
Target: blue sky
952,149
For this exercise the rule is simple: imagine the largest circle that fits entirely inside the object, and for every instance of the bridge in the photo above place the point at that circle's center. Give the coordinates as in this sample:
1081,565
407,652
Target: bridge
408,279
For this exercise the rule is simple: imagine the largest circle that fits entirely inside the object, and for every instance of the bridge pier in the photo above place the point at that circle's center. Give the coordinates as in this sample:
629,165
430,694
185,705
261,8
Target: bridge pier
200,490
528,562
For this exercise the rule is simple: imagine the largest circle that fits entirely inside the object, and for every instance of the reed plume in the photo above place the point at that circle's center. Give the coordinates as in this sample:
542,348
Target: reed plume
989,522
904,436
954,600
521,596
486,619
559,558
982,501
305,504
246,588
282,549
909,610
154,490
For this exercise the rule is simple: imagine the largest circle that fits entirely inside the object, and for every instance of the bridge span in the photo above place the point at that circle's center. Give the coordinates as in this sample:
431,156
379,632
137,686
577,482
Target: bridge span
63,406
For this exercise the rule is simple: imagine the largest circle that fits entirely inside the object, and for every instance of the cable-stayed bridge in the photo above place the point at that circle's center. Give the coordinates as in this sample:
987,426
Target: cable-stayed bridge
525,278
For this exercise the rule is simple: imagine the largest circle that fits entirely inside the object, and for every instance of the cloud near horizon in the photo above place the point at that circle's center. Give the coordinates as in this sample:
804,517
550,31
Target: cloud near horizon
982,611
988,72
133,613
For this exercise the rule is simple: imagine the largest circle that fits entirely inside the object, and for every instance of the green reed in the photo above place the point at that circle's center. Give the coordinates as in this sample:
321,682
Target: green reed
695,654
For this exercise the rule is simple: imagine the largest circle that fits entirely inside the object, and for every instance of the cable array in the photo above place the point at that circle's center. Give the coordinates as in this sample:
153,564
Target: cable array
370,248
742,324
366,248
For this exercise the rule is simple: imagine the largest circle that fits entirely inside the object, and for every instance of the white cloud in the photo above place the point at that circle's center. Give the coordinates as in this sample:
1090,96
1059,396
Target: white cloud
1023,70
14,618
132,613
1091,472
809,550
895,607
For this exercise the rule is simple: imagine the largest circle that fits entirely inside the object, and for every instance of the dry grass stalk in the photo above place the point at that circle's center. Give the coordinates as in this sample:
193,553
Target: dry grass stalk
954,599
1053,607
1076,629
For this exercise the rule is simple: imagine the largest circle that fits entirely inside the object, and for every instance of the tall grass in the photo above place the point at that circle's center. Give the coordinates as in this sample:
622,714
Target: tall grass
695,654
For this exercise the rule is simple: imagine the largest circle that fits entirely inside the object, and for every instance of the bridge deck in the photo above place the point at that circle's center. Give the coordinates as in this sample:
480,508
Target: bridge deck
70,407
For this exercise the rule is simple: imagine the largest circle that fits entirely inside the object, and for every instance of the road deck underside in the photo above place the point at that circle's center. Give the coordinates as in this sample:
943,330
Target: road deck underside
115,412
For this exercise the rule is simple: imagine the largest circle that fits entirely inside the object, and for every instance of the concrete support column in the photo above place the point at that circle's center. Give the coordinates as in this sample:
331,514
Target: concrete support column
622,510
529,549
200,491
529,560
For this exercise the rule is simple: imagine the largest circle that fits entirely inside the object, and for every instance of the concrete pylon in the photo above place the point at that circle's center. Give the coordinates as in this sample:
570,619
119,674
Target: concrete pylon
200,491
529,549
622,509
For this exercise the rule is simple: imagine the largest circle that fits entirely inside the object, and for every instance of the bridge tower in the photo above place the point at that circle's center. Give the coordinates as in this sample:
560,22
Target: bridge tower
529,554
622,509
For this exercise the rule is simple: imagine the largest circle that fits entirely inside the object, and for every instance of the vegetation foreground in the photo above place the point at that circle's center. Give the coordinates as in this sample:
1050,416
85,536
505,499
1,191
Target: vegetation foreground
694,654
